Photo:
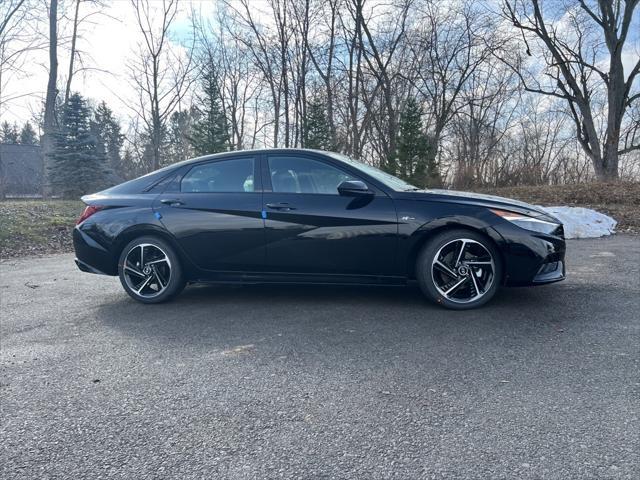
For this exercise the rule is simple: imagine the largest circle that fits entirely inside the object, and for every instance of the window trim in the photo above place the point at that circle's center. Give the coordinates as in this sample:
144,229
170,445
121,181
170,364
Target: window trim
257,178
266,173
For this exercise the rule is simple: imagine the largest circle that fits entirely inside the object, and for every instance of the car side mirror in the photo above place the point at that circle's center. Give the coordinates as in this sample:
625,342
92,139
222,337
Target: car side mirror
354,188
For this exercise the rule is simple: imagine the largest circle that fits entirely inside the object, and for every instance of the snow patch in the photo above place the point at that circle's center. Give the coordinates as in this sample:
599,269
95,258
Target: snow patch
583,222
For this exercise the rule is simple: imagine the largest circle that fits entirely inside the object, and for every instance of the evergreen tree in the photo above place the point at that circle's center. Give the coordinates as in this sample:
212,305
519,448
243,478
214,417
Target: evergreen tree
9,133
109,137
317,131
415,160
78,166
28,135
178,136
210,132
131,165
109,177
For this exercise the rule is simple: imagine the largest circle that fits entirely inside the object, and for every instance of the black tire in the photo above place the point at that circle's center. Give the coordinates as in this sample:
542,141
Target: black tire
425,277
153,268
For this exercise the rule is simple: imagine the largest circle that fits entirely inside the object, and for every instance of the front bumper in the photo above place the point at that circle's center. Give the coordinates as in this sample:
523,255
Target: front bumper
532,258
550,272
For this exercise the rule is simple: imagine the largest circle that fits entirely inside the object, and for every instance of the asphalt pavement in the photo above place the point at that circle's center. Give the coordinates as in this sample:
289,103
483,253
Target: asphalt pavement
321,382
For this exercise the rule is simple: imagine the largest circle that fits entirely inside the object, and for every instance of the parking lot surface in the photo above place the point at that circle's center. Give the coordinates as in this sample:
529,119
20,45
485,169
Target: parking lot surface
321,382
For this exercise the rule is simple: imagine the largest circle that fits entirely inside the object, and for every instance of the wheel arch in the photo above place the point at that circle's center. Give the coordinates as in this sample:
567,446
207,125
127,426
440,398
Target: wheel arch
430,230
146,230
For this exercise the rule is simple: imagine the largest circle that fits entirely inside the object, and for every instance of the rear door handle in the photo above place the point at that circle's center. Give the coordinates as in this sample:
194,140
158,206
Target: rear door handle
280,206
172,202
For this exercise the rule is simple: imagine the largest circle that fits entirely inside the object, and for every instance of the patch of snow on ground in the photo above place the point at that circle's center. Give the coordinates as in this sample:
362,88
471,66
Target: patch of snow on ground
583,222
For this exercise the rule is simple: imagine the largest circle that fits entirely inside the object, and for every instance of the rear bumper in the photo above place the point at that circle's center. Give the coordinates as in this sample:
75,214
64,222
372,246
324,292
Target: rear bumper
92,257
87,268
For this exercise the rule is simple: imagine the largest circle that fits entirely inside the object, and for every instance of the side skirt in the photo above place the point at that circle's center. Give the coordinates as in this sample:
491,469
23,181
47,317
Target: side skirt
297,278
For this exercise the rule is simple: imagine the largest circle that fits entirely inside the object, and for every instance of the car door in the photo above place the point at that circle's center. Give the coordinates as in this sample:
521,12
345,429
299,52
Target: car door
312,229
213,209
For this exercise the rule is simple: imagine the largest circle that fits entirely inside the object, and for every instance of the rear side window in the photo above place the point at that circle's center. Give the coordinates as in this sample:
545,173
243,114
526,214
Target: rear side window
303,175
234,175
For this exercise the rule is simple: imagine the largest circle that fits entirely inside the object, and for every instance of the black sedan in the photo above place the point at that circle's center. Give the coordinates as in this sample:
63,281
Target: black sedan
305,216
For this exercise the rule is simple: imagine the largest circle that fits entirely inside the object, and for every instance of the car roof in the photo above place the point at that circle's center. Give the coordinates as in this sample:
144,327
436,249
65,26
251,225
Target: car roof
141,183
256,151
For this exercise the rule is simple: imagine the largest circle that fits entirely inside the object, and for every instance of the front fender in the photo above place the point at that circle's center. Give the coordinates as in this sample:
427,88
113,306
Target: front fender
419,222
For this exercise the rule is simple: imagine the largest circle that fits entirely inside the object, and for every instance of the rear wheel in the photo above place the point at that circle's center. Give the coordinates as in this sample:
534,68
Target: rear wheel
459,269
150,270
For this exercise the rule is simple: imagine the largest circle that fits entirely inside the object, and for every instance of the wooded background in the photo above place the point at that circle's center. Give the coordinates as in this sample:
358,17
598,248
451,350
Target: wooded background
460,93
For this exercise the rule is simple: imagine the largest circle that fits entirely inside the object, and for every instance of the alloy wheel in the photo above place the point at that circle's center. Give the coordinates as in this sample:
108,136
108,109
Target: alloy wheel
463,270
147,270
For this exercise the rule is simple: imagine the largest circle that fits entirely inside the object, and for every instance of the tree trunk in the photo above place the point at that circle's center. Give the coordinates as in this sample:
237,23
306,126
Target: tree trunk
50,121
609,164
572,70
74,36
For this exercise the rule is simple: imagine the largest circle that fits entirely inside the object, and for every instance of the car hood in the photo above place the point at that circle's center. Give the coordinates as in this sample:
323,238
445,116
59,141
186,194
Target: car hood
479,199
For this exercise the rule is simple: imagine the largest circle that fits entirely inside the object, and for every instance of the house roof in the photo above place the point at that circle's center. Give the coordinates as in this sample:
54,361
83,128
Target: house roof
21,169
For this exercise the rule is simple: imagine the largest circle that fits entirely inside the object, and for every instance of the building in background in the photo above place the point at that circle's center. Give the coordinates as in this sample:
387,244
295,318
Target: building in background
21,170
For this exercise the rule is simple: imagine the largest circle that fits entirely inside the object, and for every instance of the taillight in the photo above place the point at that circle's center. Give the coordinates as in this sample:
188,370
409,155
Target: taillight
88,211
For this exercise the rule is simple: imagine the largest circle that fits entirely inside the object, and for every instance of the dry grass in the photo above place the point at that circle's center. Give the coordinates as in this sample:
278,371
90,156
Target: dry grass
618,200
34,227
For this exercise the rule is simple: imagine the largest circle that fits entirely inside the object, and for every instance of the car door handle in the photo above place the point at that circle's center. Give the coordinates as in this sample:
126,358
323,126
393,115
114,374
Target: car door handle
172,202
280,206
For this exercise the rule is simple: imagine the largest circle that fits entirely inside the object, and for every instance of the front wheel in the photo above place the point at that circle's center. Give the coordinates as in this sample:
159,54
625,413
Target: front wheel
150,270
459,269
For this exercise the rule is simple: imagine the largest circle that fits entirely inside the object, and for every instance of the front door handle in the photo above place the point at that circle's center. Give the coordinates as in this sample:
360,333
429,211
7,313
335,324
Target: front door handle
172,202
280,206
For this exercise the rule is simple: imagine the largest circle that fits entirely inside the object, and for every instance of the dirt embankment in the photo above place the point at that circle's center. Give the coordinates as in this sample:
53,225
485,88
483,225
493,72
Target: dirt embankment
618,200
34,227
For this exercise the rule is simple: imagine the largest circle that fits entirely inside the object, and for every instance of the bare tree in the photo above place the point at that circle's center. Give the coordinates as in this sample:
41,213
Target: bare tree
362,59
50,122
351,28
448,44
299,63
322,53
72,56
578,70
240,81
487,105
384,65
161,73
265,52
19,35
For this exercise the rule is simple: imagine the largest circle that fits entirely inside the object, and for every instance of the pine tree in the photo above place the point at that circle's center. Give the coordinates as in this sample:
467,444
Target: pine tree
109,137
28,135
78,166
9,133
317,132
210,132
415,160
178,136
101,156
132,166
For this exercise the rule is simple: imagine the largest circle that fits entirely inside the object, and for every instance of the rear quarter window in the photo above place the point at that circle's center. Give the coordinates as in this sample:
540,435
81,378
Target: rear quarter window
235,175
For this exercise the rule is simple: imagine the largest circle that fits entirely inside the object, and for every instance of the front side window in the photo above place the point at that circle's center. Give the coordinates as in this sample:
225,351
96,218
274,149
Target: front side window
389,180
291,174
234,175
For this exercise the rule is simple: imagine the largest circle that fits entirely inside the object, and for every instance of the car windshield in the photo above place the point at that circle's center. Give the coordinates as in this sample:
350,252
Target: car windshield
389,180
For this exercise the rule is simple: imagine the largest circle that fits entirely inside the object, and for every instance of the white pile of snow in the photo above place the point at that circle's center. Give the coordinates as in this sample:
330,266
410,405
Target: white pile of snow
583,222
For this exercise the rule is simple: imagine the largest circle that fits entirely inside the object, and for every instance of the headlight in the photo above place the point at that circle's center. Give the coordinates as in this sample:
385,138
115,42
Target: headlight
529,223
